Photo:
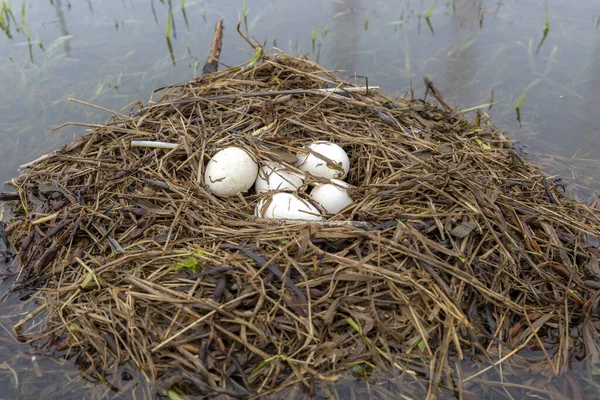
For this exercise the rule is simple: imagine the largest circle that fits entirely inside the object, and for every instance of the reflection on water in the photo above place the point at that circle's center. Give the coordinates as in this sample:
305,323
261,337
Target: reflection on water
113,52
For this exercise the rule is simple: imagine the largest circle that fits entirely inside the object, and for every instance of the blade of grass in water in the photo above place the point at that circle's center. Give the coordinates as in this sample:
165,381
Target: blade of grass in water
154,11
26,30
551,60
245,15
428,15
545,30
366,21
466,110
531,56
430,10
170,47
168,28
5,17
522,99
185,18
24,22
316,38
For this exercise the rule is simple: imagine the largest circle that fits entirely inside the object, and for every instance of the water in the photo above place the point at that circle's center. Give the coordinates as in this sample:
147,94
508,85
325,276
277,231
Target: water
111,53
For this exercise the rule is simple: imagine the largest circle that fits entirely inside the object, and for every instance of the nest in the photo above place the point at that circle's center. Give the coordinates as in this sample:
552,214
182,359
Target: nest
455,246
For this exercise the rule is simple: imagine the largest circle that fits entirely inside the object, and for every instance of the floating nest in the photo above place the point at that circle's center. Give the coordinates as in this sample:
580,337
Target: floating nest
455,247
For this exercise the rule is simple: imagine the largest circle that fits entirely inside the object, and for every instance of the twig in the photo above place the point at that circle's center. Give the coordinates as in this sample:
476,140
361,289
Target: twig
548,192
212,63
44,219
5,364
99,108
155,145
39,159
436,93
9,196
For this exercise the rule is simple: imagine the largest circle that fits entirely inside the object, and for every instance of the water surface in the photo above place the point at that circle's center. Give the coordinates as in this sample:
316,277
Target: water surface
111,53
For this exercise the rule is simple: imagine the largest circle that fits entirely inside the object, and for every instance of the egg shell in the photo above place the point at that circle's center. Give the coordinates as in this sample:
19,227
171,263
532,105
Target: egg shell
230,171
317,166
272,177
332,197
287,206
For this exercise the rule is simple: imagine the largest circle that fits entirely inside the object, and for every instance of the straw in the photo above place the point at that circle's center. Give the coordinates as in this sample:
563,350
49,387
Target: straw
455,246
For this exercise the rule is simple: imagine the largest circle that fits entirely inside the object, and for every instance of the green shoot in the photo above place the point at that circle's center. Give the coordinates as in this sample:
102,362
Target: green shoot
168,28
170,47
26,30
185,18
482,144
257,53
545,30
196,65
172,395
430,10
190,264
366,21
546,27
24,22
466,110
428,15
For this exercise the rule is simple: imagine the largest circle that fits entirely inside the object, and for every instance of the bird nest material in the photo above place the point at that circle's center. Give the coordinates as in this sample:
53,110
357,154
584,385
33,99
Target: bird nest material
454,244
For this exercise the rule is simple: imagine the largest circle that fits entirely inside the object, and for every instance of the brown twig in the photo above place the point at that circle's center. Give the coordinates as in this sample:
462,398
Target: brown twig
212,62
436,93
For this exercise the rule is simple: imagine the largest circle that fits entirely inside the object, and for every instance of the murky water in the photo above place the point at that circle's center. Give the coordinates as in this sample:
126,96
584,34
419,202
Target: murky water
112,52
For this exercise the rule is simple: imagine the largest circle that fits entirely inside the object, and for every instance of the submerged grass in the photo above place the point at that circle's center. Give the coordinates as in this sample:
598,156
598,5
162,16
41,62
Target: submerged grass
26,30
454,249
6,16
549,65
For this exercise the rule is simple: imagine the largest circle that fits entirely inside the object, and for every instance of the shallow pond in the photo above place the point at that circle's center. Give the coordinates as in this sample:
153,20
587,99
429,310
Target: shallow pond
111,53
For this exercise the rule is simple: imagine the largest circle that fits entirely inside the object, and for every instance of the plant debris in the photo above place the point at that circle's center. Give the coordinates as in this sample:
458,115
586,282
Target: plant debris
455,247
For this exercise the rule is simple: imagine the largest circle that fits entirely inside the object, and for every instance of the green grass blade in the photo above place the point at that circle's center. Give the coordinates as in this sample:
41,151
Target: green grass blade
466,110
545,30
430,10
24,22
354,325
26,30
428,15
168,29
257,53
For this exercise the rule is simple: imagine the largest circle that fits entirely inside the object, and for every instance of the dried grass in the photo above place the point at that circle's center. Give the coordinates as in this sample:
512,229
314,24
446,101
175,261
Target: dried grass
458,247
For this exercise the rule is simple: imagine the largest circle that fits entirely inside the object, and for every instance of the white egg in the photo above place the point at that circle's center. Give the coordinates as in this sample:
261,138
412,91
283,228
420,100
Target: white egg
286,206
273,177
319,166
230,171
332,198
